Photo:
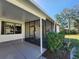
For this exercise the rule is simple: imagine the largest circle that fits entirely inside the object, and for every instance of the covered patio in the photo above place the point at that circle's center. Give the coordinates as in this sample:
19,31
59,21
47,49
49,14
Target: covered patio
27,15
37,22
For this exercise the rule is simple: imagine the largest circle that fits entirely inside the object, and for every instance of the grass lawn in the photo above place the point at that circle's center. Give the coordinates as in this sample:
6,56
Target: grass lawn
74,39
72,36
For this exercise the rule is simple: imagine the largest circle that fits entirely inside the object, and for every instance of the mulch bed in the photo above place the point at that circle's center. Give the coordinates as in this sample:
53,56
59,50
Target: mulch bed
49,55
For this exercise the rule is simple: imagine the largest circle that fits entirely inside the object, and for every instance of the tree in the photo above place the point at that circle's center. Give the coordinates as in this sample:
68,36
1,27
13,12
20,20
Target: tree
69,18
76,24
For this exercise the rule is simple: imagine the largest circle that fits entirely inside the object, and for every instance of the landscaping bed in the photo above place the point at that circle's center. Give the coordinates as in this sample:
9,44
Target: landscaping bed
50,55
60,47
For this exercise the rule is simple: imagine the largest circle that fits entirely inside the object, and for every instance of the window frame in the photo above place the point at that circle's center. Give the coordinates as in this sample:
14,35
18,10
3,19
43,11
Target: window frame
3,28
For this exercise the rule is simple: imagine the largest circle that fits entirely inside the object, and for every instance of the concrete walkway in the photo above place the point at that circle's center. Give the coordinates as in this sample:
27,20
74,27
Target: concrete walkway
21,50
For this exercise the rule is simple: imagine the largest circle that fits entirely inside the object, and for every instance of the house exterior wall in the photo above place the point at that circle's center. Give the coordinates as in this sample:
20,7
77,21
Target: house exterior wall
58,29
10,13
10,37
14,14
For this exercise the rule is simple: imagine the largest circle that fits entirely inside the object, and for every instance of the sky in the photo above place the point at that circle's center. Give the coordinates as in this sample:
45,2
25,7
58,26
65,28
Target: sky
53,7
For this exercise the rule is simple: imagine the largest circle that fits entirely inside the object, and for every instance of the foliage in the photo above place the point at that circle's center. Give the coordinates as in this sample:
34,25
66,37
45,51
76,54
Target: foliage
67,45
69,18
76,24
70,32
55,40
64,17
75,42
58,45
76,17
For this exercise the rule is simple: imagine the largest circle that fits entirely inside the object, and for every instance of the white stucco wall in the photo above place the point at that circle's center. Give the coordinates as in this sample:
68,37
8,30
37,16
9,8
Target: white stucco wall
10,37
57,28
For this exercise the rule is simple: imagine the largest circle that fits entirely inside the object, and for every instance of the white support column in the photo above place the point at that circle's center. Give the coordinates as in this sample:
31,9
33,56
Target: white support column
41,45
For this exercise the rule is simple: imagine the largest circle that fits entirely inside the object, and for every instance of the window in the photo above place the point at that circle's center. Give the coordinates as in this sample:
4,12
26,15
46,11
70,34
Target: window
17,28
11,28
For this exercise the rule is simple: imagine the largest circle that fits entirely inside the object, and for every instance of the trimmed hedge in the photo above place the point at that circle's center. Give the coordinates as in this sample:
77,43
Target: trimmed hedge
55,40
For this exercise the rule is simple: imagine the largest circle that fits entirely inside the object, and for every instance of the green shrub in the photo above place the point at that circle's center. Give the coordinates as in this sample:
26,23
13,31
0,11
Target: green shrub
70,32
55,40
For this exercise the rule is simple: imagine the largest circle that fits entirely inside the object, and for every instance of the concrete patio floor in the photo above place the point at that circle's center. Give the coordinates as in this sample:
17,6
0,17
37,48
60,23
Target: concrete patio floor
19,50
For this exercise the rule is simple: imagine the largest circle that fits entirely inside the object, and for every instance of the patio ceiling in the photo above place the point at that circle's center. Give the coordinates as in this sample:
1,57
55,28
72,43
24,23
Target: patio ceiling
28,6
11,11
29,16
